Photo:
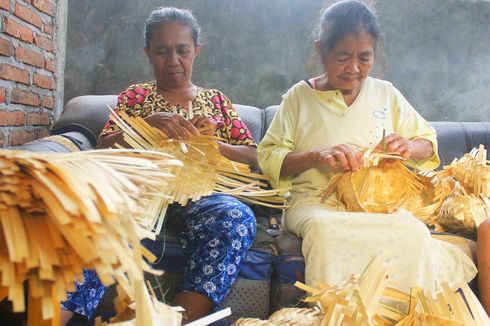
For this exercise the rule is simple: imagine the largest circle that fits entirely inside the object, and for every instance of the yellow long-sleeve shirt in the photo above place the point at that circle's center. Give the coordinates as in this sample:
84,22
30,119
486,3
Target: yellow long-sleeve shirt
309,119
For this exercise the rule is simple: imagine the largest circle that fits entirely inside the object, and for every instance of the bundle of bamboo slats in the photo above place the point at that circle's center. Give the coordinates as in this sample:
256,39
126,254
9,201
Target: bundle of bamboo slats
375,188
205,170
60,213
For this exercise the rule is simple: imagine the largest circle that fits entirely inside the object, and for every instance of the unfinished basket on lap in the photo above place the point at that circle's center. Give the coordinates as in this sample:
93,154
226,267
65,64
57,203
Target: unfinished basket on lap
375,188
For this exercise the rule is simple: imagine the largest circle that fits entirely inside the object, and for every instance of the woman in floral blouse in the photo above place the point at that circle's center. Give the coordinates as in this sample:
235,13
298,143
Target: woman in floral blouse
216,231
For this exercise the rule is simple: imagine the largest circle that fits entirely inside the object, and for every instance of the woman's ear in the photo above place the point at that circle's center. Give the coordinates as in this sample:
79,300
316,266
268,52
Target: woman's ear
197,50
147,52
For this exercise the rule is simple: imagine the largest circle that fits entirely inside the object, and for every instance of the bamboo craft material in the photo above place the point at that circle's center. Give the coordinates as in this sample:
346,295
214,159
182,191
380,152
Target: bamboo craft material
205,170
469,204
373,300
286,317
426,204
375,188
60,213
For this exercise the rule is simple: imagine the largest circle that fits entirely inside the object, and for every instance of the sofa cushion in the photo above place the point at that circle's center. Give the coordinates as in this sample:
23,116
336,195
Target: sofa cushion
85,114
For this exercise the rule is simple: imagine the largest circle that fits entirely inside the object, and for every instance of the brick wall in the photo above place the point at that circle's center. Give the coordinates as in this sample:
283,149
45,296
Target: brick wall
28,69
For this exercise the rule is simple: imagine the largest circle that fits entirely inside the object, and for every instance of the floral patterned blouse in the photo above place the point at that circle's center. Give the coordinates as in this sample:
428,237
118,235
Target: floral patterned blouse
143,100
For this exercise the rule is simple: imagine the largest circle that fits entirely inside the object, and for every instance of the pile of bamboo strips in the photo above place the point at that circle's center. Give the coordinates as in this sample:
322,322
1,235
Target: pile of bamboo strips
375,188
372,299
60,213
204,171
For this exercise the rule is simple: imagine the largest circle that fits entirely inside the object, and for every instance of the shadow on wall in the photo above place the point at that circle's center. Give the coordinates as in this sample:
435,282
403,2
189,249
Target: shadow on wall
438,51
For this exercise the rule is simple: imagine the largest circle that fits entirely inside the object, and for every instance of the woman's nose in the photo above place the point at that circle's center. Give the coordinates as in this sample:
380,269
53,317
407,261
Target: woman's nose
353,67
174,59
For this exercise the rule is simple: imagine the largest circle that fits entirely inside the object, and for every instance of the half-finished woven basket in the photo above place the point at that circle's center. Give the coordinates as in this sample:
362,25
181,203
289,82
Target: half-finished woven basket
375,188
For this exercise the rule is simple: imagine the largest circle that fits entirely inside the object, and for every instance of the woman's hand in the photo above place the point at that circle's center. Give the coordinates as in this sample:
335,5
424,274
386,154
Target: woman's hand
339,157
172,124
200,121
394,143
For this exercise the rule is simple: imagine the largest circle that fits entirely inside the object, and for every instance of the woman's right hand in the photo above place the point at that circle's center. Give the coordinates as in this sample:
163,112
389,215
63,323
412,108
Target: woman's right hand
339,157
172,124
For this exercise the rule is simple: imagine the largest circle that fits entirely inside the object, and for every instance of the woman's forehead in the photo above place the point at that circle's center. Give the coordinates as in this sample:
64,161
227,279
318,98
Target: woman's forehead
355,43
173,32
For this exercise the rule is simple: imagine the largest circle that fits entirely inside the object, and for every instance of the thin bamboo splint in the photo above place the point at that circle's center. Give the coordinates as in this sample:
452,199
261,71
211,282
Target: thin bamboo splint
375,188
204,170
60,213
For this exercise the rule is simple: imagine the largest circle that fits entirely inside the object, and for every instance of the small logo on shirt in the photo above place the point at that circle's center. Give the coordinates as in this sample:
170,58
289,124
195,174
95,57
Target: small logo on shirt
380,114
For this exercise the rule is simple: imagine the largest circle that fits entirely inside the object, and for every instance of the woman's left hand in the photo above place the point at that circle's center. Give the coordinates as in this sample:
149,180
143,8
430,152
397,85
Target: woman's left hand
200,121
394,143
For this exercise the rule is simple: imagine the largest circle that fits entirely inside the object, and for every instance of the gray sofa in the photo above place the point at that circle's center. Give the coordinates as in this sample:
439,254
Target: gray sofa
84,117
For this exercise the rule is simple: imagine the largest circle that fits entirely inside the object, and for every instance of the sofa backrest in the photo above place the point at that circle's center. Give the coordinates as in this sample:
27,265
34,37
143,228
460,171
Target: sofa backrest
88,114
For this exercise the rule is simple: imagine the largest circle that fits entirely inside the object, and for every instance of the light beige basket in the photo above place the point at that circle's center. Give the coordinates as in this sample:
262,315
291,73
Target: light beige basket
426,204
375,188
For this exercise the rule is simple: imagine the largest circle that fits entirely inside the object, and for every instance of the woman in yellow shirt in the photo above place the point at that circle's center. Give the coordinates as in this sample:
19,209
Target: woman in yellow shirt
311,138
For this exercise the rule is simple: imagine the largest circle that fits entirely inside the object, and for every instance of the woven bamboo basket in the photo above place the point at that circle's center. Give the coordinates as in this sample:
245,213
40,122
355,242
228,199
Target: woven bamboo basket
462,213
426,204
473,172
375,188
286,317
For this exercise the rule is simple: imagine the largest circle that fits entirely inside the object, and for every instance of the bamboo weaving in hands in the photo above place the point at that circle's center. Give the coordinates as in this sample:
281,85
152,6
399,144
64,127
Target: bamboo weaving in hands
60,213
204,169
375,188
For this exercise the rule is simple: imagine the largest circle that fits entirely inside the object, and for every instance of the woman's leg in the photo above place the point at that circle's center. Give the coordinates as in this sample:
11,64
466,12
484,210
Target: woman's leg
483,254
85,299
217,234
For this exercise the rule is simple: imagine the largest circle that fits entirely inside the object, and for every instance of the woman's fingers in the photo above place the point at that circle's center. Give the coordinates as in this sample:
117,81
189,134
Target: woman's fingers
173,125
341,157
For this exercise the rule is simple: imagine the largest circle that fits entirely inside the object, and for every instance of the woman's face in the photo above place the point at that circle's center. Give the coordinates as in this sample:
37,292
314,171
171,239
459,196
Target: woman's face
349,62
171,52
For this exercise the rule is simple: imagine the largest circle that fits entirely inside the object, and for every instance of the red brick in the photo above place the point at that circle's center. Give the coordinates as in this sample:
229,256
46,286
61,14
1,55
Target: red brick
12,118
13,28
25,97
44,81
44,43
19,137
38,118
30,57
48,29
47,102
5,4
28,15
6,48
44,5
12,73
2,95
50,65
